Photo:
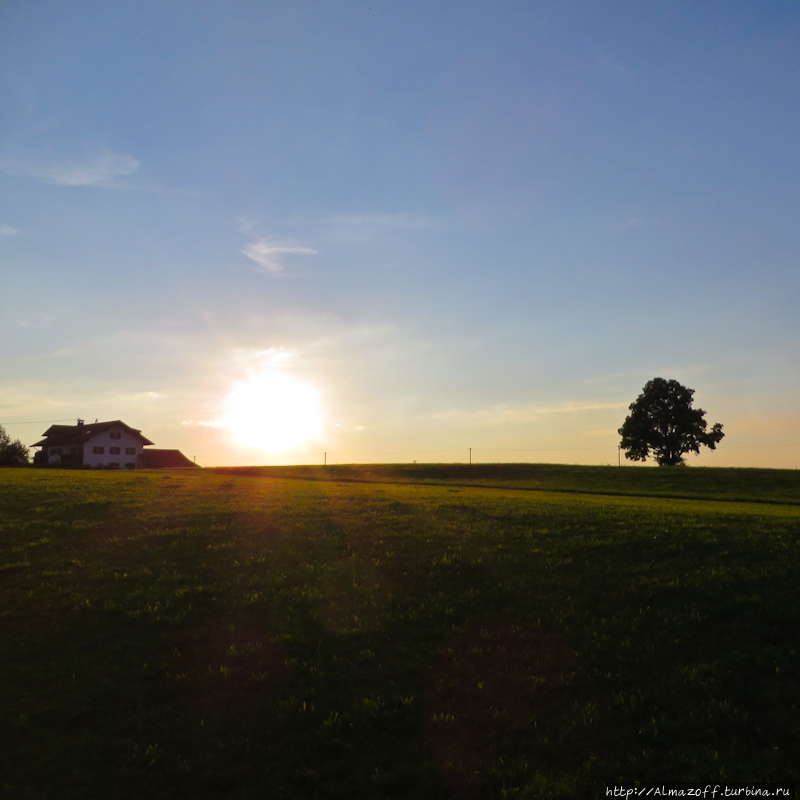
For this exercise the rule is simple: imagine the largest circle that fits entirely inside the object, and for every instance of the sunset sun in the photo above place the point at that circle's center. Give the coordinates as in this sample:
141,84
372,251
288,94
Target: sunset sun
273,411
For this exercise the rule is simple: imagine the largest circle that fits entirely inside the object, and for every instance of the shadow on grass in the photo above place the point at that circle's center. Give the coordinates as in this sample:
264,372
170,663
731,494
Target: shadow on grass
510,706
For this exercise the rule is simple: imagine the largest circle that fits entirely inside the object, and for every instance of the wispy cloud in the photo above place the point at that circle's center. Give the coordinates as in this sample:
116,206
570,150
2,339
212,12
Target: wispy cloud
7,230
505,413
69,165
267,254
385,220
618,72
139,395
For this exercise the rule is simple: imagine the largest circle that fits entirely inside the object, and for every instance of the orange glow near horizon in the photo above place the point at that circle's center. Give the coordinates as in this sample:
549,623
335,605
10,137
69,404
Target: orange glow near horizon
273,411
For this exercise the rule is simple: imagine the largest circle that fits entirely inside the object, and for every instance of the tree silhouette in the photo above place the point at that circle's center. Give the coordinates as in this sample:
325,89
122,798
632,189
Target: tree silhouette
662,420
12,454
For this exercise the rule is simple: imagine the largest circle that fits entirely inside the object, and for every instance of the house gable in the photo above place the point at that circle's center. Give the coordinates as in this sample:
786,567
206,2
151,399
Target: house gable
113,445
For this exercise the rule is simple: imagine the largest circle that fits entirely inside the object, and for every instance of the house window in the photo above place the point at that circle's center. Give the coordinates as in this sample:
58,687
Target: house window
116,435
55,451
130,451
130,465
114,451
98,450
114,465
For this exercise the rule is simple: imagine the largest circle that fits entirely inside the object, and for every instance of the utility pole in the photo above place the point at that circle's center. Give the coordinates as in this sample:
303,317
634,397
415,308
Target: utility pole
470,455
325,461
619,456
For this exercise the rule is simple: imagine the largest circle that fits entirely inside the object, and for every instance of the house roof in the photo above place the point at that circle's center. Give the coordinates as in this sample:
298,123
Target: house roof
60,435
161,459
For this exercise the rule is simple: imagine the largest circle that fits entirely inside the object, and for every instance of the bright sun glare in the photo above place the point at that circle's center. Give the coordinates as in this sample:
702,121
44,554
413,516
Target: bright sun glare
273,411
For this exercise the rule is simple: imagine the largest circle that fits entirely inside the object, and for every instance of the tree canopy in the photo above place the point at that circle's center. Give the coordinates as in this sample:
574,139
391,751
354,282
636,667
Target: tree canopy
663,421
12,454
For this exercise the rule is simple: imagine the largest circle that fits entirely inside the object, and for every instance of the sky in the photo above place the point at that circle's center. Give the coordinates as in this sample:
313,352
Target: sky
394,230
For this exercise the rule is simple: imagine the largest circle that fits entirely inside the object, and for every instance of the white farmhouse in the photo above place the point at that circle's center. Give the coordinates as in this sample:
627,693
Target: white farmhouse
113,445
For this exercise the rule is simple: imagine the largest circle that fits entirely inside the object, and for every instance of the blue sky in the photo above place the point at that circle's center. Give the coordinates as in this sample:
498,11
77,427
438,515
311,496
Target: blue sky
465,224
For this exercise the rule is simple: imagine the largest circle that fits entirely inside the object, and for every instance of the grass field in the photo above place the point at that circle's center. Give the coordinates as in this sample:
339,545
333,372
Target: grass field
401,632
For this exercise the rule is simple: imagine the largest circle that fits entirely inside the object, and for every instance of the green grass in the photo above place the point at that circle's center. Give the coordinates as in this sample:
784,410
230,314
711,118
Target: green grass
755,485
364,633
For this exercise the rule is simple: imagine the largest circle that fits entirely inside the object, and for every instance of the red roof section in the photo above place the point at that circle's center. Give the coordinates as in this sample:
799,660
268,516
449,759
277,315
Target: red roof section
163,459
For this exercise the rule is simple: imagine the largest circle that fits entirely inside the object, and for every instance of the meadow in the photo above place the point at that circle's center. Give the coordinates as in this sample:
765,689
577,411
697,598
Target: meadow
420,631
